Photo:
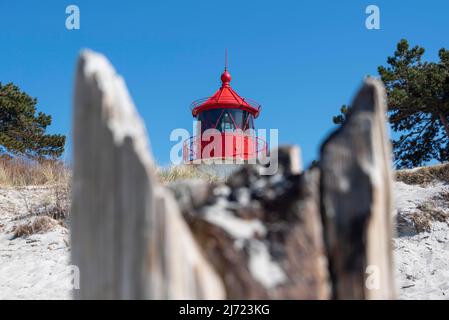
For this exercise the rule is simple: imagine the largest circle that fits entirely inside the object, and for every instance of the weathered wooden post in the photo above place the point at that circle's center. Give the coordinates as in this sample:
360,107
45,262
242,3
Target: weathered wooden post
262,234
356,200
128,237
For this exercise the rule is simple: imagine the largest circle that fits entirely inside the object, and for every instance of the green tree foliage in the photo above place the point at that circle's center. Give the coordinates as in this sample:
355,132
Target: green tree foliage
22,132
339,119
418,105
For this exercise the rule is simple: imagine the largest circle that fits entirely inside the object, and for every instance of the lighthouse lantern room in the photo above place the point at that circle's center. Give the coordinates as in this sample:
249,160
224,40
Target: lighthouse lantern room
225,127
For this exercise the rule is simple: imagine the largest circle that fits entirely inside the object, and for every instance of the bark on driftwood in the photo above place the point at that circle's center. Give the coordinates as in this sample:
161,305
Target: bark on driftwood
357,202
129,239
262,233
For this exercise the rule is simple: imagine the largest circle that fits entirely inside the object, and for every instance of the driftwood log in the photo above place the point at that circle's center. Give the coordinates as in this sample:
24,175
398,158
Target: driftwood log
319,233
262,234
356,200
129,239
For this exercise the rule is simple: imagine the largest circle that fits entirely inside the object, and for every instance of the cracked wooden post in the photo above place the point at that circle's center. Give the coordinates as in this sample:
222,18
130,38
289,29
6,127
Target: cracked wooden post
129,240
356,203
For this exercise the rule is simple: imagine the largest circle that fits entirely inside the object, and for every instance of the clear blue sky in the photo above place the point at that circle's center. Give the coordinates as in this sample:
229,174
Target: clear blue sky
300,59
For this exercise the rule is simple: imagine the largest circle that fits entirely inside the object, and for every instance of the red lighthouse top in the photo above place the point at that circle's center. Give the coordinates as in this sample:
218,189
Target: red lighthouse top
225,98
229,119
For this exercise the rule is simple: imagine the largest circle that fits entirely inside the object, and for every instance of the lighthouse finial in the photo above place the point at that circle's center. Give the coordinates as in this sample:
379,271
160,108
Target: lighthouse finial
226,59
225,76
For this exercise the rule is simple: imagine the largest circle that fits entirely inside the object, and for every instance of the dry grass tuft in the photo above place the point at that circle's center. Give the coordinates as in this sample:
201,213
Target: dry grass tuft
40,224
183,172
427,214
424,175
46,215
59,205
22,172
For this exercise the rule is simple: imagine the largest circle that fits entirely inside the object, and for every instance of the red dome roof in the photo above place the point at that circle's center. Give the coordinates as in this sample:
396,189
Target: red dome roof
225,97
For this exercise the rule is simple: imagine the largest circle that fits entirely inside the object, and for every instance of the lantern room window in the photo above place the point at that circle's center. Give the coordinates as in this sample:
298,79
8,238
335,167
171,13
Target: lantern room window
226,120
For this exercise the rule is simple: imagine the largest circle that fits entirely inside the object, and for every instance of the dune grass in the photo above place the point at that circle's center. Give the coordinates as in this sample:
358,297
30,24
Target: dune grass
22,172
18,172
183,172
424,175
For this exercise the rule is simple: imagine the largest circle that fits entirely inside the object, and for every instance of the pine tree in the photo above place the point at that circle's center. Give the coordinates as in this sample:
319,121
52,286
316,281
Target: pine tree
339,119
418,105
22,132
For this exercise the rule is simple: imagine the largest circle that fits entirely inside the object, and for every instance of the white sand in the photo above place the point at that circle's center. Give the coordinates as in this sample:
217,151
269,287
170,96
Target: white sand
422,259
37,266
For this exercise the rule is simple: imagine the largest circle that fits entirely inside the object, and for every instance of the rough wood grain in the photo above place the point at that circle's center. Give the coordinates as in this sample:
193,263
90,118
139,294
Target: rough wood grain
129,240
356,184
262,234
